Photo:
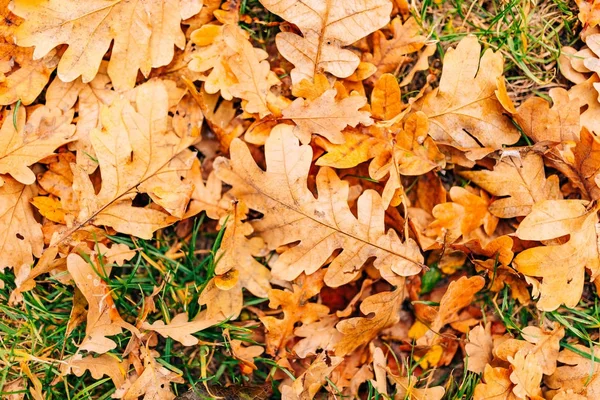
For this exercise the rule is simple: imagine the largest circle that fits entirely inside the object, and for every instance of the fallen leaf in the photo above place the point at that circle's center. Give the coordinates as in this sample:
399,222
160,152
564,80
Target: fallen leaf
389,55
521,182
143,35
479,348
326,116
405,389
180,329
464,111
579,374
26,143
105,364
496,385
326,28
291,213
306,386
527,376
561,267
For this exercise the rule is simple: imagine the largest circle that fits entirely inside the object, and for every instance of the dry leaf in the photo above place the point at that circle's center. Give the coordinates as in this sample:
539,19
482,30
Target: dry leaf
306,386
464,110
327,116
405,389
295,307
526,375
479,348
20,234
26,143
389,55
360,330
143,35
496,385
521,179
105,364
561,267
180,329
579,374
323,225
326,28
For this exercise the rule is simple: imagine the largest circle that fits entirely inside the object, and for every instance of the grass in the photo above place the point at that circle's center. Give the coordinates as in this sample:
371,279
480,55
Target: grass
38,326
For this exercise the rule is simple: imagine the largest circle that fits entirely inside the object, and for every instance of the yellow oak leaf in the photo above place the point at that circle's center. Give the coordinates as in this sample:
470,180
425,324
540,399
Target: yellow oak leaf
496,385
135,148
389,54
327,116
326,26
295,307
20,234
206,196
30,141
322,225
561,267
386,102
181,329
526,375
143,35
317,335
464,110
103,319
360,330
237,266
520,181
50,208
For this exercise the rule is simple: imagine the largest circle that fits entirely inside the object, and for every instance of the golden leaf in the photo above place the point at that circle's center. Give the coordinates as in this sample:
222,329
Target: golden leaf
326,26
180,329
28,142
143,35
464,111
323,225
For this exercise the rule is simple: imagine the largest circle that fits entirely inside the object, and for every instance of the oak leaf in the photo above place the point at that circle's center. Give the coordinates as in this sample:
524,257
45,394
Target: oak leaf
579,373
464,110
521,181
87,99
295,307
143,35
27,142
384,306
496,385
561,267
136,150
317,335
405,389
557,124
103,319
306,386
544,344
322,225
206,196
154,383
21,235
236,268
326,27
389,54
479,348
327,116
526,376
180,329
105,364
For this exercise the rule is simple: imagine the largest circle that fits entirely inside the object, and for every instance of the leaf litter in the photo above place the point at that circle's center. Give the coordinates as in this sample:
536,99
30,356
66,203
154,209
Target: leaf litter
324,213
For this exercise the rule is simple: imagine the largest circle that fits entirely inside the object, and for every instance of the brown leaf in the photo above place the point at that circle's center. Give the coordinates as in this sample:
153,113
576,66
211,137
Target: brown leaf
405,389
306,386
20,234
105,364
526,375
28,142
479,348
180,329
561,267
89,28
295,307
326,28
496,385
389,55
360,330
578,374
521,179
464,110
327,116
323,225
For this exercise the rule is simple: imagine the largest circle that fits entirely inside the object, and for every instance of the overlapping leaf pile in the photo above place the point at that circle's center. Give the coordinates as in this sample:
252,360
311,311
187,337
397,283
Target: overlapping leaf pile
354,191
